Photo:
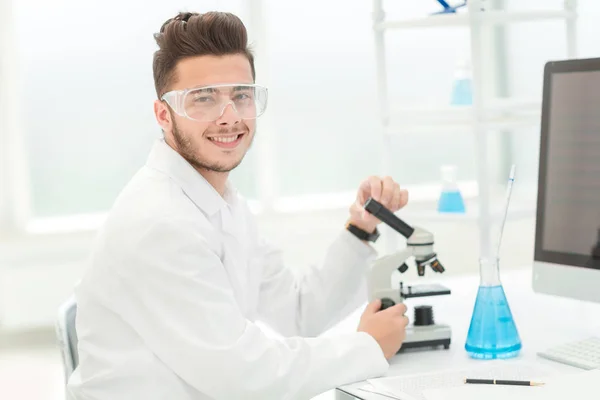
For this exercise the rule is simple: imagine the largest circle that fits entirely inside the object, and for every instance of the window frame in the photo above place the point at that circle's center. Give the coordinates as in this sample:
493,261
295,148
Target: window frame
14,180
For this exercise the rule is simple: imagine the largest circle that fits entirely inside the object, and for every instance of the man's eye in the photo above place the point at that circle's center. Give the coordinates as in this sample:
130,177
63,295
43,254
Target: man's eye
203,99
242,96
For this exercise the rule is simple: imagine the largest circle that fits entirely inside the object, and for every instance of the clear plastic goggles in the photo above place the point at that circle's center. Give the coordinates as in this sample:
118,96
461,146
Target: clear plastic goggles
208,103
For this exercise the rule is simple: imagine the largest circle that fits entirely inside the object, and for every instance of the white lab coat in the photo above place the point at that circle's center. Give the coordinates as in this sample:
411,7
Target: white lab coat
178,279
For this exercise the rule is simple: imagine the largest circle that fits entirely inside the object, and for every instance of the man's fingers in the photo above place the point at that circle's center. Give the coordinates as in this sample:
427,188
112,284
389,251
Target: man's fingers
383,190
403,197
387,191
364,191
373,306
375,186
397,309
364,188
395,203
405,321
400,308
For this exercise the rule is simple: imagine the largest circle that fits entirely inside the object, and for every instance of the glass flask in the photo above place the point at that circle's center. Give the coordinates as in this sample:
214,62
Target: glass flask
462,94
451,200
493,333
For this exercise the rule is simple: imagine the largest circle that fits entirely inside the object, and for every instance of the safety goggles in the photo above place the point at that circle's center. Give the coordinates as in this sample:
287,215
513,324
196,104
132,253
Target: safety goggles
208,103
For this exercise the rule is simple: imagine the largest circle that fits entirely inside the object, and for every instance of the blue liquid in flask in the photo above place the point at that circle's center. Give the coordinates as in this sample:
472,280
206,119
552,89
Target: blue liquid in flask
451,199
493,333
451,202
462,91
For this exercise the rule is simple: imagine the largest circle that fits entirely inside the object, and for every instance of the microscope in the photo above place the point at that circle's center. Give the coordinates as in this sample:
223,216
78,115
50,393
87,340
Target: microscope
423,332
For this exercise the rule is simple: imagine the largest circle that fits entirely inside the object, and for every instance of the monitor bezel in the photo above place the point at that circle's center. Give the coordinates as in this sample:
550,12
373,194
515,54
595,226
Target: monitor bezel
541,255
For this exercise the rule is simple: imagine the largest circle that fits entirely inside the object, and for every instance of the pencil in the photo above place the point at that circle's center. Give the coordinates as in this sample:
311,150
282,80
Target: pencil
502,382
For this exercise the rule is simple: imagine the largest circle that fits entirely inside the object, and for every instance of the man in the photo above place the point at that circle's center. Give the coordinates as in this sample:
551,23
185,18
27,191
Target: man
179,277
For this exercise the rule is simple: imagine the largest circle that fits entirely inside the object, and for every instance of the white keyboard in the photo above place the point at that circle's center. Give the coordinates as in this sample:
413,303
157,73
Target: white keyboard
583,354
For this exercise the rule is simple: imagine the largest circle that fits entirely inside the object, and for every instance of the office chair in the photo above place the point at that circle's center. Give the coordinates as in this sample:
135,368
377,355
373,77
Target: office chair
67,336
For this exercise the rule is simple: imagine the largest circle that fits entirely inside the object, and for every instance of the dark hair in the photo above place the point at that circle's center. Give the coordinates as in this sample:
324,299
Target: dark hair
193,34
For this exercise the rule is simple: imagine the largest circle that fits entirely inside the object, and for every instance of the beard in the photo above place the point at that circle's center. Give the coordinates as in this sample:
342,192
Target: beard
190,154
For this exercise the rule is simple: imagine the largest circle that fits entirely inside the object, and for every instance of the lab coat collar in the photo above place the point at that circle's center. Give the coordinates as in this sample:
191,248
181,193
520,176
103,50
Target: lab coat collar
166,160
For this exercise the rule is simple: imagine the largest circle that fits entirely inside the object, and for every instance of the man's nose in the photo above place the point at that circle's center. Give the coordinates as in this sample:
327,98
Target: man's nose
229,116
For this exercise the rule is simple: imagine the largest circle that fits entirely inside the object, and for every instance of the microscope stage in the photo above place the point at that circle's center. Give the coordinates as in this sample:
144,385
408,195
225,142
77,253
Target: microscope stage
423,290
427,336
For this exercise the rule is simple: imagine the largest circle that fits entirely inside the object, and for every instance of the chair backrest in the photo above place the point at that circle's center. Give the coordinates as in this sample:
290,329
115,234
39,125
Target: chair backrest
67,335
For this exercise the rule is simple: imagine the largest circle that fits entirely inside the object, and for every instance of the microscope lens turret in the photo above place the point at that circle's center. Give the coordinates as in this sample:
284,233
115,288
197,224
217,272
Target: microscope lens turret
437,266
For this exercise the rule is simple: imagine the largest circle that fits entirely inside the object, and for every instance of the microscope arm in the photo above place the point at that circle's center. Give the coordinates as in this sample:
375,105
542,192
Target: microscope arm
419,245
379,278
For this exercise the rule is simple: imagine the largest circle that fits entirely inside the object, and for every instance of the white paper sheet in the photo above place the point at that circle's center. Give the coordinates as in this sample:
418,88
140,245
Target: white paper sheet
581,386
412,387
487,392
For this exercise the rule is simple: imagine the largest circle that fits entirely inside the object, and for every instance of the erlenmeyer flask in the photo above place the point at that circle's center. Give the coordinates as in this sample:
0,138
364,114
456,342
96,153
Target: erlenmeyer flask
451,199
462,93
492,333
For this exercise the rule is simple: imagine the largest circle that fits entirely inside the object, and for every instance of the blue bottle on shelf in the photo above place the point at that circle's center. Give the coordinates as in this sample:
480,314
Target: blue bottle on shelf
451,199
462,93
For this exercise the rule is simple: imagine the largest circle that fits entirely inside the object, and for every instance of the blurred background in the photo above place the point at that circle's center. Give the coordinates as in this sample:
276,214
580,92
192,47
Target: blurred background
76,122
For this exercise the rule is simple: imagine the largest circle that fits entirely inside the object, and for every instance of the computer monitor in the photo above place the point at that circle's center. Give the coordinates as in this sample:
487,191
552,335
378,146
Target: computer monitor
567,234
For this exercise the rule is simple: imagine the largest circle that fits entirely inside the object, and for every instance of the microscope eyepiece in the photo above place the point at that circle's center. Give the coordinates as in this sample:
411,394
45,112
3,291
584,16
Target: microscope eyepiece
389,218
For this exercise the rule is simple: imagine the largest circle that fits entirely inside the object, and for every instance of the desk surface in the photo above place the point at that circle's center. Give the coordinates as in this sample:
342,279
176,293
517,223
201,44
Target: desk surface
542,321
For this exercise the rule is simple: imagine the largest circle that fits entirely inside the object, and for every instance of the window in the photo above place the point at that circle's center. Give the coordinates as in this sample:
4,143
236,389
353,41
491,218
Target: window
85,97
324,99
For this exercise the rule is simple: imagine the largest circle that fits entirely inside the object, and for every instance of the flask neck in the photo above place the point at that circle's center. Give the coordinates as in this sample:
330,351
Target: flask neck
449,173
489,271
462,70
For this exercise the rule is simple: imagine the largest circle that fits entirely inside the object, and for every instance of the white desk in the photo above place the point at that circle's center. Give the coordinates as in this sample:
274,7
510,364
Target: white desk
541,320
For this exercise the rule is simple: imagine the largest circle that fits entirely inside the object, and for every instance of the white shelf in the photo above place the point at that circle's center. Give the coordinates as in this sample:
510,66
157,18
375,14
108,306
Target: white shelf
471,215
486,17
501,114
522,206
481,120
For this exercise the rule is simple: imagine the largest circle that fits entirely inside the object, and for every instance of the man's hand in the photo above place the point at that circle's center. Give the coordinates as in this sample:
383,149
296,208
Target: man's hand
385,191
387,327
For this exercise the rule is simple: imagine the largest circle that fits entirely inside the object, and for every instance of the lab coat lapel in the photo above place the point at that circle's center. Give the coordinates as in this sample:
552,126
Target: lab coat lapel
232,224
166,160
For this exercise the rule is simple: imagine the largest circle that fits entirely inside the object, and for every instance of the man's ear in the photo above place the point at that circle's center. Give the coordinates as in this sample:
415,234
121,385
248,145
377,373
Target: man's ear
163,116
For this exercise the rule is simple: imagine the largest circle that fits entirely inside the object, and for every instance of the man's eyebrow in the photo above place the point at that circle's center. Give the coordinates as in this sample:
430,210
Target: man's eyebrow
205,89
239,88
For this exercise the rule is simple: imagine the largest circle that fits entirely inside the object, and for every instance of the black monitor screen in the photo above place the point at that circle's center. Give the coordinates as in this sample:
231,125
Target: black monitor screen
568,216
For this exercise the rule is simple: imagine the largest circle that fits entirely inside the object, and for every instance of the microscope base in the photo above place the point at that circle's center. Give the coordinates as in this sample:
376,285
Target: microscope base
427,336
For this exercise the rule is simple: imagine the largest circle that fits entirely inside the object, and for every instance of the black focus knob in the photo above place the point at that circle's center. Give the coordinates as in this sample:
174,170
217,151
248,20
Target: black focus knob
403,268
423,316
386,303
